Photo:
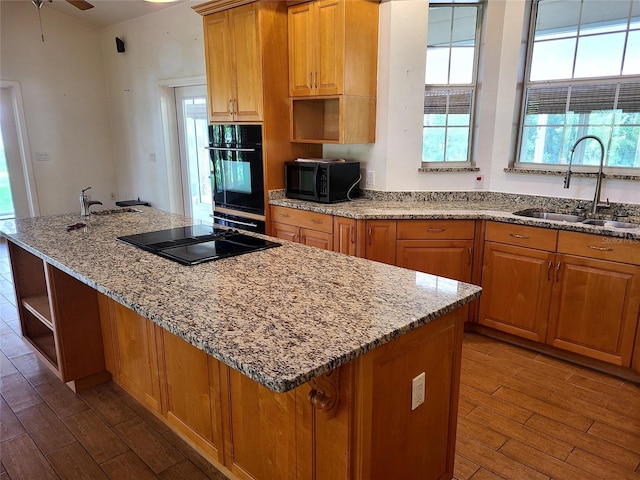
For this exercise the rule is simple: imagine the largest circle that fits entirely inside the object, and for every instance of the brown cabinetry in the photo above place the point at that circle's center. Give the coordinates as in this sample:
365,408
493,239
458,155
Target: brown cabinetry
379,241
59,319
310,228
234,64
439,247
345,235
332,70
574,291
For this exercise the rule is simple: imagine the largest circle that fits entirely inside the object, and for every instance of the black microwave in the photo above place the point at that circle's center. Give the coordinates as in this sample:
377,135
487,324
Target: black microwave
322,181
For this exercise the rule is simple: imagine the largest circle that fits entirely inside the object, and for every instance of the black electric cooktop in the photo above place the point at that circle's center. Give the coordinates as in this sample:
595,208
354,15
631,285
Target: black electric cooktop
197,243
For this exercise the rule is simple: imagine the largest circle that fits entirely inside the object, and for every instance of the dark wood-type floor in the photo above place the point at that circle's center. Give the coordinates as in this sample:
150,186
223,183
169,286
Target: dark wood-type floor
522,416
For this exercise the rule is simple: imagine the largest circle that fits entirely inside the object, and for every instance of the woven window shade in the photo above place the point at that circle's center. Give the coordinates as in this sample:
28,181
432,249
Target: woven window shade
590,98
546,100
629,97
448,101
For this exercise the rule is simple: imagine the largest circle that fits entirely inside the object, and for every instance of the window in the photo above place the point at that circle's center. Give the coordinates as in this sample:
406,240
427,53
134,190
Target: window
450,82
583,79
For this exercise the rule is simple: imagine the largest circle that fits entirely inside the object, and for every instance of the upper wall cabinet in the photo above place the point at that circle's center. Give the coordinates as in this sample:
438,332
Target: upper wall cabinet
234,67
333,54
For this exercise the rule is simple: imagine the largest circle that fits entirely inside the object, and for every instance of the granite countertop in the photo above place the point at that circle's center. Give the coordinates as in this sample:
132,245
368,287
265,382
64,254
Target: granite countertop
457,205
281,316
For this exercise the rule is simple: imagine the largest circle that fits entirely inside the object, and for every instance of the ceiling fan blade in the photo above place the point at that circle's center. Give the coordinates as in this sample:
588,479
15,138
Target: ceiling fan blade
81,4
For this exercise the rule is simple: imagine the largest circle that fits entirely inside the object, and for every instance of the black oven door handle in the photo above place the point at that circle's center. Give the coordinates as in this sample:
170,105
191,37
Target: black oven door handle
246,224
229,149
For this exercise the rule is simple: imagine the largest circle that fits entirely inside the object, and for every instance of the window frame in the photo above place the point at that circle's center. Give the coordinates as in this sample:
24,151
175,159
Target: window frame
481,6
530,23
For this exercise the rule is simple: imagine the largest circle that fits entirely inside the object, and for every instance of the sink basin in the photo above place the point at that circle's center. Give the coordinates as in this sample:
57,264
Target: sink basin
115,210
546,215
610,223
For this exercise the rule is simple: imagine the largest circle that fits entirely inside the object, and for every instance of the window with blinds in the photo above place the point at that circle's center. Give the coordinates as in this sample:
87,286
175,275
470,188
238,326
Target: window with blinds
584,79
450,82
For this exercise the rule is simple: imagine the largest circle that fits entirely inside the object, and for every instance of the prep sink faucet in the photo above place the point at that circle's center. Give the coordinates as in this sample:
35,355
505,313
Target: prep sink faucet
85,203
567,177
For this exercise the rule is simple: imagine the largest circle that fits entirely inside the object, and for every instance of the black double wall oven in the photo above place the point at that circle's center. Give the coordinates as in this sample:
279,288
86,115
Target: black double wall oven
237,176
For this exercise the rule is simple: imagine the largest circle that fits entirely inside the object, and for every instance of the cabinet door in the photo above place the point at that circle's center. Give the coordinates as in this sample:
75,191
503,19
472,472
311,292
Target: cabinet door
301,50
285,232
191,385
247,63
516,290
445,258
218,60
317,239
345,237
136,357
380,242
260,430
329,47
595,308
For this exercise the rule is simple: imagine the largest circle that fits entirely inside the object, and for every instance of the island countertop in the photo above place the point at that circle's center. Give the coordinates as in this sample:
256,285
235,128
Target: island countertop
281,316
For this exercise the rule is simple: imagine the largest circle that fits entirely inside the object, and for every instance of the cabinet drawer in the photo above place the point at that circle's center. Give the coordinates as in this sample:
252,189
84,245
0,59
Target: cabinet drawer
522,235
616,249
435,229
301,218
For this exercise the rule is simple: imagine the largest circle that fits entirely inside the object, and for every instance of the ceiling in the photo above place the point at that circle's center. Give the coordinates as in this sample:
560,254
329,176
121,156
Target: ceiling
107,12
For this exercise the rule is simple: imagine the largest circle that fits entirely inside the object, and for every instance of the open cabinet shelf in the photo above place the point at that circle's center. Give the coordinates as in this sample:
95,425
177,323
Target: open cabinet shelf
39,307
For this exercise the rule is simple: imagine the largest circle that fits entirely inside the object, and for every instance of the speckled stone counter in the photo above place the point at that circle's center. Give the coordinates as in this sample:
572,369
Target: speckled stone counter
459,205
281,316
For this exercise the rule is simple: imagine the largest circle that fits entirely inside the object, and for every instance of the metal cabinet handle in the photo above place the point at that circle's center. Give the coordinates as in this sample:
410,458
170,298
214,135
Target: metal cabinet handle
353,235
549,270
315,83
558,271
601,249
230,107
233,103
370,233
311,80
318,222
517,235
284,215
433,230
470,255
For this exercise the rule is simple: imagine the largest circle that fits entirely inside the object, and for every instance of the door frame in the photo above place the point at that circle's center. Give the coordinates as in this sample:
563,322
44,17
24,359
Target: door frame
26,161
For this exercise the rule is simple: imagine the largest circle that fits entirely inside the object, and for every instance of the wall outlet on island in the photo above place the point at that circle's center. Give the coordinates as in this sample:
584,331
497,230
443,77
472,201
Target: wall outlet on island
370,179
417,390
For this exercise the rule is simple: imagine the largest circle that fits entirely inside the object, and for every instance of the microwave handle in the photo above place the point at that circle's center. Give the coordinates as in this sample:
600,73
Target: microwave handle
246,224
316,188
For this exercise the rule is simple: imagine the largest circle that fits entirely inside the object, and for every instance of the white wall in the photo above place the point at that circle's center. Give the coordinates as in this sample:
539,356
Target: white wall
65,104
396,155
162,48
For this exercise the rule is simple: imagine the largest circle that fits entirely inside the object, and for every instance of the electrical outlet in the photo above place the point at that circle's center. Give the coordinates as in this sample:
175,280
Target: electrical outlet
152,157
371,179
417,390
479,182
42,156
113,196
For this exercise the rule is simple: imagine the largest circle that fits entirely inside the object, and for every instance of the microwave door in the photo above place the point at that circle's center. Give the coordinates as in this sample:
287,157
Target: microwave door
316,181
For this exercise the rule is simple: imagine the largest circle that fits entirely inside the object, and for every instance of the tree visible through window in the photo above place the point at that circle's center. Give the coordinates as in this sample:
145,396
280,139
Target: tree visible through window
450,81
583,79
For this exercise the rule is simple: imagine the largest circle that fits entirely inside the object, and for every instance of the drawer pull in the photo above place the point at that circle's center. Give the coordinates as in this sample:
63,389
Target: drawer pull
315,221
601,249
284,215
434,230
517,235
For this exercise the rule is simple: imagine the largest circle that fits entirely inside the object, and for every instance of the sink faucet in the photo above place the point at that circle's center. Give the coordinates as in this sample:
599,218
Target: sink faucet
85,203
567,177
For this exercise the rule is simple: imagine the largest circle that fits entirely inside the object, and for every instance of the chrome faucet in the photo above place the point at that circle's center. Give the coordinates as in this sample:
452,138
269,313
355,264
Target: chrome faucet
85,203
567,177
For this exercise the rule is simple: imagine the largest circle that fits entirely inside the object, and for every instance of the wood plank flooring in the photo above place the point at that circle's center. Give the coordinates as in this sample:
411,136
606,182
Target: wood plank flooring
522,415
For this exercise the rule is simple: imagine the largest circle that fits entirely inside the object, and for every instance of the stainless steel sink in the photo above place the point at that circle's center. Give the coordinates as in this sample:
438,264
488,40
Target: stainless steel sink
610,223
546,215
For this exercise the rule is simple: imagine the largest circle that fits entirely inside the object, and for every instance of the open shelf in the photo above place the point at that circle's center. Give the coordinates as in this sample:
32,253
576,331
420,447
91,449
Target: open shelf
41,336
39,307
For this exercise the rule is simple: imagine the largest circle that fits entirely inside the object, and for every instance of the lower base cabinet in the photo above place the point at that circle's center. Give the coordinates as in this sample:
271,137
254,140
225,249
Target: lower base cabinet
355,422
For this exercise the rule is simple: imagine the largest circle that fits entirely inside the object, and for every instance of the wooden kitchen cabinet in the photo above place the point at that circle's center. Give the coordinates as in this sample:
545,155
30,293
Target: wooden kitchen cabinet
345,235
130,341
309,228
379,241
439,247
234,64
581,293
596,302
59,319
333,70
191,393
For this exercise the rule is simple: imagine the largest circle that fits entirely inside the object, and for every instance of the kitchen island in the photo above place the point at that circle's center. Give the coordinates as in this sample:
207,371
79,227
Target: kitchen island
291,362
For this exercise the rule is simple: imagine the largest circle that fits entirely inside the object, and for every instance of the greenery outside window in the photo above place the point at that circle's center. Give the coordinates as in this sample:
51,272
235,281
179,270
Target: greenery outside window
583,71
450,83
